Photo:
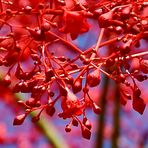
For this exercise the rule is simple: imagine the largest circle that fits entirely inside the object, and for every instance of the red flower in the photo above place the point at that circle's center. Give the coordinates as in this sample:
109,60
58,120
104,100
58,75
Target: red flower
71,106
74,23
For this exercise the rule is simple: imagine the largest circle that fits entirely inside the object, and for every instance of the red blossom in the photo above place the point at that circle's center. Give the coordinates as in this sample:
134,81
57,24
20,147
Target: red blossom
38,58
74,23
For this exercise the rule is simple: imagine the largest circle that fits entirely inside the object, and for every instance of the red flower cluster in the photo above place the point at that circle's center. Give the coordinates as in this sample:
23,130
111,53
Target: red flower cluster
122,23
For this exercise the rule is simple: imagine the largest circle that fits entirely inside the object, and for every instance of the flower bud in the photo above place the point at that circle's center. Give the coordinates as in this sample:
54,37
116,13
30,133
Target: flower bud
31,102
86,133
74,122
93,78
7,80
87,123
77,86
96,108
68,128
50,110
19,119
144,66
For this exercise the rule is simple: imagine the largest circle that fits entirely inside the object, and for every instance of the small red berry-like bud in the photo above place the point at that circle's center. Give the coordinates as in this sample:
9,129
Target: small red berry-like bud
144,66
86,133
126,48
118,29
96,108
45,26
68,128
31,102
93,78
77,86
7,80
74,122
87,123
50,110
19,119
27,9
23,87
141,78
8,11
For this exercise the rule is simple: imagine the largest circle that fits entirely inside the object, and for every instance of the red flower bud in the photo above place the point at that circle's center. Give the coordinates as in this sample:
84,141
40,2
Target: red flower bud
144,66
19,119
96,108
31,102
50,110
7,80
74,122
77,86
93,78
141,78
87,123
68,128
86,133
45,26
125,49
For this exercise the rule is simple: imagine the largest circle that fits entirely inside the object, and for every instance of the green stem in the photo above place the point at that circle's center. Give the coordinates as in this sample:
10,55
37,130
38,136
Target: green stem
51,133
49,130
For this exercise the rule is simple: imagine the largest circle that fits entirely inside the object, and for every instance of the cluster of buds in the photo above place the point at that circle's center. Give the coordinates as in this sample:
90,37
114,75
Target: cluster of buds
26,43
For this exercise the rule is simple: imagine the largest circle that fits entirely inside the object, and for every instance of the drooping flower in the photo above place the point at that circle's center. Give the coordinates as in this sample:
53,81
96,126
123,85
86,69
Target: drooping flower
71,106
